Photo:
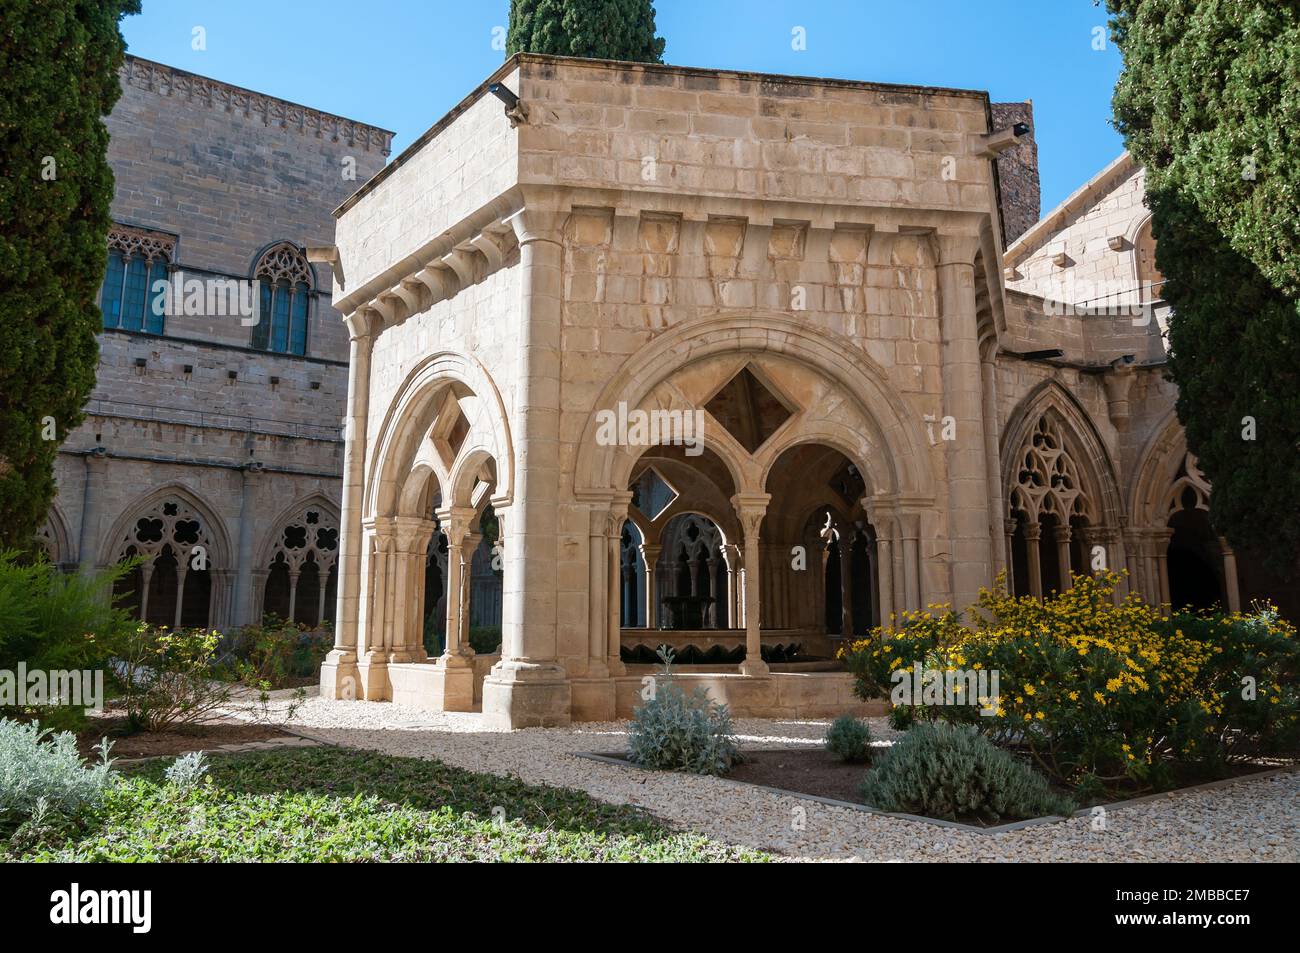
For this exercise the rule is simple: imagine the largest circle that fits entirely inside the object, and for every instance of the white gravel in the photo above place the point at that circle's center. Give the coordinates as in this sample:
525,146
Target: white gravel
1249,820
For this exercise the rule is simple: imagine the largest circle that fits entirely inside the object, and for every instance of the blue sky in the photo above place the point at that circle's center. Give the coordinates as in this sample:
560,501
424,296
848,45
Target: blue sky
401,64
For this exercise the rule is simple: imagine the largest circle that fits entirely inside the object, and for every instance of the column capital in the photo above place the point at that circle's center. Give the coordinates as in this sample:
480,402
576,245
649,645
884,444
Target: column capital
956,247
1033,530
750,509
456,522
536,225
362,323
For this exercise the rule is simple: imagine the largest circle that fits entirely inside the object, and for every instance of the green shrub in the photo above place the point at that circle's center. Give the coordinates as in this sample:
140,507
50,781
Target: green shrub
52,621
849,739
277,651
41,772
952,772
676,730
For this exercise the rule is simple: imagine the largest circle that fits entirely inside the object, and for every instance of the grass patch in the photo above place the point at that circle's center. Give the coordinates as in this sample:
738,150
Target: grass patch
342,805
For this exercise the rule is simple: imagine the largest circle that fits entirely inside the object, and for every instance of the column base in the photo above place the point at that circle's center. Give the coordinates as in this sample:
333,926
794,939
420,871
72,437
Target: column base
433,686
754,668
338,676
520,694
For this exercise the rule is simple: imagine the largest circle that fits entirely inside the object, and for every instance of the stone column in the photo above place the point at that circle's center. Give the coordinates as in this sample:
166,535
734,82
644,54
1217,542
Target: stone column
711,616
339,671
293,592
411,547
529,687
597,605
1133,562
245,612
1061,534
650,556
1033,533
614,531
1009,527
457,522
885,574
146,573
993,459
182,566
750,508
1162,563
96,462
971,526
846,587
1231,588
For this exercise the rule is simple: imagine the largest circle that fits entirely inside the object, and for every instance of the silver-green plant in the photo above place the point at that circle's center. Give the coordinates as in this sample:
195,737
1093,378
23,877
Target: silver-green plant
950,772
849,739
186,771
43,772
677,730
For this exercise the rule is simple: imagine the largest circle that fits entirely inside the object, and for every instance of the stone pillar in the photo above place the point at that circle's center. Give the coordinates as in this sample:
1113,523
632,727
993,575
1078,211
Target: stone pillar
650,556
846,587
293,592
1033,533
971,524
529,687
750,508
711,616
614,533
885,573
245,612
1231,588
993,460
182,566
1061,534
1133,561
411,548
457,523
1009,528
339,670
1162,563
96,462
597,606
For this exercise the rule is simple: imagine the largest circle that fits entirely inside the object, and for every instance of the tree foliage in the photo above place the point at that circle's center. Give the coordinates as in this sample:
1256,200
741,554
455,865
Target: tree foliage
59,60
597,29
1209,103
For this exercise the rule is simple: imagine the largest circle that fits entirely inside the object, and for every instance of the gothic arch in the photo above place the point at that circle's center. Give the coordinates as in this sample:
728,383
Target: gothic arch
118,538
900,466
1156,473
402,440
171,587
1081,443
54,538
297,562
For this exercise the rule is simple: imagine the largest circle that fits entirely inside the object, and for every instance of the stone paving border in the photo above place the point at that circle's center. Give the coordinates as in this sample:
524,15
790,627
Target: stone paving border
623,762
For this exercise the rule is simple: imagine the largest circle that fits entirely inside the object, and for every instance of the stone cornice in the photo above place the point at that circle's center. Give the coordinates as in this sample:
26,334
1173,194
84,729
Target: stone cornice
214,94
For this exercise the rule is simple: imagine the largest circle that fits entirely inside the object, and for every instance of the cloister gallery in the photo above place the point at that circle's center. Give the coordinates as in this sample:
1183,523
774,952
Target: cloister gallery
821,271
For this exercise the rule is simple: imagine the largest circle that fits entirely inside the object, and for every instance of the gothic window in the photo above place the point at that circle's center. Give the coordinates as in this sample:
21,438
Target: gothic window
1050,513
172,586
284,285
137,259
301,581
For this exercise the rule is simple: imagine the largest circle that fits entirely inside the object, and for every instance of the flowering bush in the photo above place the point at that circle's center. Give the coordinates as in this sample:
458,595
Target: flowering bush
1100,691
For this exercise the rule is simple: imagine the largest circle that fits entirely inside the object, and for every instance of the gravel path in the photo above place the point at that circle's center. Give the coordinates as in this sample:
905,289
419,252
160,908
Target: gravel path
1250,820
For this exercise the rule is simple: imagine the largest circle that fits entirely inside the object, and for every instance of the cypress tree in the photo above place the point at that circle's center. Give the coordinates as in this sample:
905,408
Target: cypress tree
1209,103
597,29
59,60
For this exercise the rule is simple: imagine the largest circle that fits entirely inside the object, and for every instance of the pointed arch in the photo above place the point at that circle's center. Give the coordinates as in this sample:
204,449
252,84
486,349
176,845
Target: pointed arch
218,539
884,430
1081,446
406,447
54,537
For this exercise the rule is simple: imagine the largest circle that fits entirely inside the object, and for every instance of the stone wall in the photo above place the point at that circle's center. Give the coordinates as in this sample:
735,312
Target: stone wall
225,172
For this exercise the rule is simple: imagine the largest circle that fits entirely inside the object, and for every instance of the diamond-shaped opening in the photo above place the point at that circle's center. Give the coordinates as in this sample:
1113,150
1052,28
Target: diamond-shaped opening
848,483
748,409
450,430
651,493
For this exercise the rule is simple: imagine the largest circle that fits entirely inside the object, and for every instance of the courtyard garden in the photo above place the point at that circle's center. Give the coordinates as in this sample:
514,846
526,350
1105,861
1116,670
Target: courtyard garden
1022,708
